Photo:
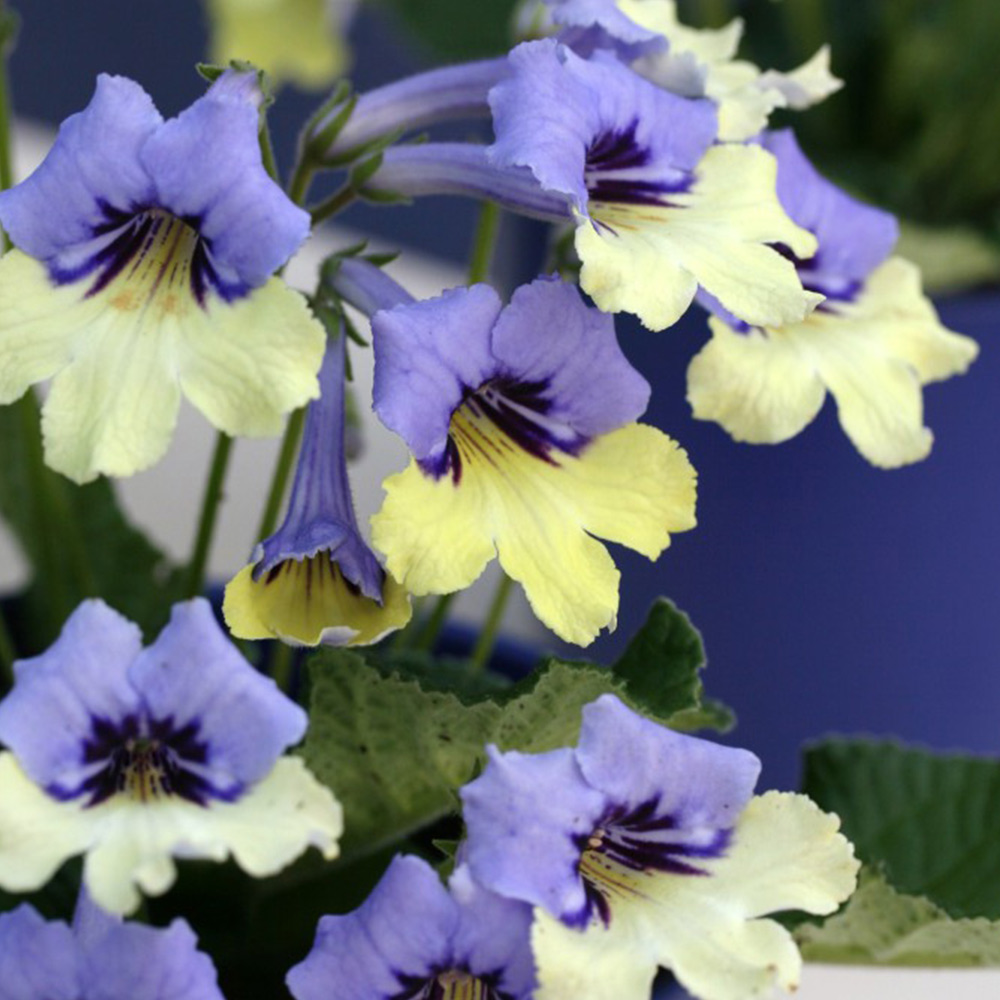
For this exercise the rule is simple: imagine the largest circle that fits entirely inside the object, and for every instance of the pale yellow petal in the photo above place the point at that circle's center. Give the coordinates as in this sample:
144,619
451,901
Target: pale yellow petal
596,963
248,363
278,819
297,40
432,532
36,341
716,235
758,387
307,603
806,85
37,832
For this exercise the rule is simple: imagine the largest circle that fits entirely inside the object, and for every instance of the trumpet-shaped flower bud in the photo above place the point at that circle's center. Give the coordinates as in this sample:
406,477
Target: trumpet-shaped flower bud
142,272
134,756
315,580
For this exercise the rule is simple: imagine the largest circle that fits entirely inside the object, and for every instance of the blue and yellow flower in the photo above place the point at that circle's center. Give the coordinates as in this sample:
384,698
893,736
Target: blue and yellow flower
693,62
145,250
642,847
315,580
873,344
413,938
661,210
521,423
134,756
100,956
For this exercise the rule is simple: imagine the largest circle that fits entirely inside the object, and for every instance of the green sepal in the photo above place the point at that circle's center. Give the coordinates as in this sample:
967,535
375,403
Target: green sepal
880,926
928,821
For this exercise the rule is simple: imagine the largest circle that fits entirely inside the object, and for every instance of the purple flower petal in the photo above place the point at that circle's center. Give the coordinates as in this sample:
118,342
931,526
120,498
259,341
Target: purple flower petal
37,959
197,688
94,163
854,238
428,355
82,677
525,816
633,761
600,24
206,166
594,129
588,381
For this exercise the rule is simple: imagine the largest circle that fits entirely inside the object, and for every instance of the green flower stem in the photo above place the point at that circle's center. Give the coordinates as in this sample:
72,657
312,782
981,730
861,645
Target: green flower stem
209,513
488,637
7,656
337,202
281,665
302,175
807,25
267,152
425,640
484,242
282,468
716,13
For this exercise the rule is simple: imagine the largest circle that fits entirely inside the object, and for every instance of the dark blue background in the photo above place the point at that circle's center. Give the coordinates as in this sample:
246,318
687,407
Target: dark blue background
833,596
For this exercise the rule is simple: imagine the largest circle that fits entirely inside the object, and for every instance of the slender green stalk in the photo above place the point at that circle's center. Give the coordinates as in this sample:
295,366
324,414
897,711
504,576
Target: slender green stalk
338,201
302,174
267,153
209,513
429,633
488,637
7,656
282,468
807,25
716,13
484,242
281,665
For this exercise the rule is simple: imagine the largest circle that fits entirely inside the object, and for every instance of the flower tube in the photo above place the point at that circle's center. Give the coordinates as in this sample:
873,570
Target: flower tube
413,938
134,756
643,847
873,343
315,580
145,250
521,422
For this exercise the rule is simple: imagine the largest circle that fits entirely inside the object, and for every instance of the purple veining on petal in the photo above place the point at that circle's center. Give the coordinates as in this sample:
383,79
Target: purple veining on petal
518,411
642,839
145,760
146,230
612,158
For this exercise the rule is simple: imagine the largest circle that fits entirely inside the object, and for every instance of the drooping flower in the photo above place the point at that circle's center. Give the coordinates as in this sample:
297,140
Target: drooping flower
135,756
100,957
414,939
143,267
315,580
521,423
694,62
643,847
873,344
660,210
298,40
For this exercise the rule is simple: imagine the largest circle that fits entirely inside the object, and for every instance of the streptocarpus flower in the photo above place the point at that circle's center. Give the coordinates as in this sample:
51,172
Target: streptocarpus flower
521,423
660,210
133,756
414,939
315,580
100,957
143,267
695,62
873,343
644,847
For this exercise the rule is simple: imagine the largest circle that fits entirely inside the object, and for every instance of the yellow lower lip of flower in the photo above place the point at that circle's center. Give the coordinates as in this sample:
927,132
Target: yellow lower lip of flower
308,602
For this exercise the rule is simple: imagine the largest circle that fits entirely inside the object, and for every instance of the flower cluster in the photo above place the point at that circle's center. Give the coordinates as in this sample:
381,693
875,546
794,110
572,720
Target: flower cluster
146,265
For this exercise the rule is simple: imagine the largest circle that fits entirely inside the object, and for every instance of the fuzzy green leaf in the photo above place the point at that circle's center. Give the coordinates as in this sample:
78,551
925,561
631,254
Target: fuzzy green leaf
928,821
880,926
